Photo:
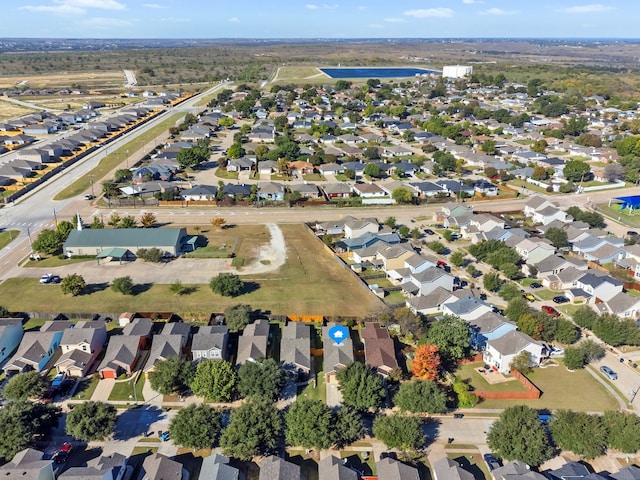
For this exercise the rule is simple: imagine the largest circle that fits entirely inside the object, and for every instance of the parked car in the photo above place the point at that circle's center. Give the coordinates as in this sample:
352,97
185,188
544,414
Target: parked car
88,196
535,285
610,374
46,278
58,379
549,310
64,453
632,233
560,299
529,297
492,462
428,231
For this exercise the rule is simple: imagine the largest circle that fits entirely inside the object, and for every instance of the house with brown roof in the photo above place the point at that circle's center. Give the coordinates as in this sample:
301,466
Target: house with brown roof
379,350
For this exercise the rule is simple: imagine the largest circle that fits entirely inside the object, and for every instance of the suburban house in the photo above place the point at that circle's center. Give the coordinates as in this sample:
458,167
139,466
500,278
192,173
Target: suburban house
216,467
121,356
426,281
501,351
271,191
488,326
379,350
200,193
516,469
336,190
549,214
165,346
81,346
368,190
395,256
140,328
432,303
276,468
622,305
534,250
101,241
112,467
535,203
335,356
447,469
28,465
391,469
467,308
356,227
570,471
37,348
210,343
252,344
331,468
159,467
295,348
599,287
11,332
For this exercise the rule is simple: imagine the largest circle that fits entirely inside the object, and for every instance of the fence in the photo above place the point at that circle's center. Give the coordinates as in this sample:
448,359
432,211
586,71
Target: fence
532,393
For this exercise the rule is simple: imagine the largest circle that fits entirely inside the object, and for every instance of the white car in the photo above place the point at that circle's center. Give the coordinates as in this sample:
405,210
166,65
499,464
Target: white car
46,278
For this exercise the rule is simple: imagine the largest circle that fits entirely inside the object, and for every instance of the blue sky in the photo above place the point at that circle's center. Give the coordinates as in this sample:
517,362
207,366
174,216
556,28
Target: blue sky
317,19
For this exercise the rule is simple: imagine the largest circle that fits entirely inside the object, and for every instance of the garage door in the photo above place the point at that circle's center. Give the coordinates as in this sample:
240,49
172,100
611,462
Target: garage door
108,374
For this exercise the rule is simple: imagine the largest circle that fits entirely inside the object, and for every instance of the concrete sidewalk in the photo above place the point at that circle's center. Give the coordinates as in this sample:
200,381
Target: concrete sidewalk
103,390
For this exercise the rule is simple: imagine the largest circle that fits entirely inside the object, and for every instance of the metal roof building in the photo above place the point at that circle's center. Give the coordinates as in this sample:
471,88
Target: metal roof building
95,241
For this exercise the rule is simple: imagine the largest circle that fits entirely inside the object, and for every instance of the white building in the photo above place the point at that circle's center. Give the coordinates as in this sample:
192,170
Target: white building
456,71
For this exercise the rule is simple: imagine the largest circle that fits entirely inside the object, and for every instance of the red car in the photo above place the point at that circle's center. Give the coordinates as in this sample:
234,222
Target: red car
550,311
64,453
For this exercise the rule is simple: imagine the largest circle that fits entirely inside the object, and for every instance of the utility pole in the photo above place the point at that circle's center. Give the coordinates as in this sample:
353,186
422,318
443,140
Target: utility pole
91,180
55,218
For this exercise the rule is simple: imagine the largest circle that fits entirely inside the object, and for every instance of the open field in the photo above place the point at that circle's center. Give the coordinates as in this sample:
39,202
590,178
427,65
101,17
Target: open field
298,74
66,79
310,282
241,240
613,211
11,110
75,102
115,158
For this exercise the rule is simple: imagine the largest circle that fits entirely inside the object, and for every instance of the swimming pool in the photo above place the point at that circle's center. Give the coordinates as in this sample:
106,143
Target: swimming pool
379,72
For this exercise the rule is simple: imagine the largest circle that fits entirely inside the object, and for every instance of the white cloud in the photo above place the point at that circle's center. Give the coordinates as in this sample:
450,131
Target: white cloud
439,12
498,11
311,6
154,5
330,7
594,8
75,7
234,20
469,2
395,20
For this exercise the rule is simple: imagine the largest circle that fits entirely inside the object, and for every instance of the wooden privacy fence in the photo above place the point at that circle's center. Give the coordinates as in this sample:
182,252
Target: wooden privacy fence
532,393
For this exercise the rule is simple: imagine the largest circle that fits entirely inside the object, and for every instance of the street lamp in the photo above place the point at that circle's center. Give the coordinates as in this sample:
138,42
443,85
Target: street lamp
135,394
91,180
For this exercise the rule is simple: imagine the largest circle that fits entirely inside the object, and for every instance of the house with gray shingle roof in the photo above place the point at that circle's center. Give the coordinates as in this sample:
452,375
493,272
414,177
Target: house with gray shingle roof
160,467
501,351
210,343
121,356
295,348
276,468
111,467
81,346
335,356
331,468
426,281
391,469
488,326
467,308
164,347
216,467
447,469
37,348
252,344
28,464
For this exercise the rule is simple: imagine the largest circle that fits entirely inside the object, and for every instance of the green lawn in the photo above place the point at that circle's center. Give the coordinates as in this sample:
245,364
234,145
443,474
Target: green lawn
472,462
123,391
321,286
8,236
394,297
86,388
315,393
50,262
529,186
313,177
115,158
220,173
544,294
210,251
467,373
614,212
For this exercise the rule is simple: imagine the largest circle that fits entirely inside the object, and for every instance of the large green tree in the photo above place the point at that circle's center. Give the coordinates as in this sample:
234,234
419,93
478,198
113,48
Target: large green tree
226,284
254,429
583,434
237,317
361,386
452,335
348,426
310,424
624,431
172,375
24,386
492,282
399,431
90,421
262,378
576,170
49,241
123,285
191,157
21,420
519,435
196,426
73,284
402,195
557,236
421,396
215,380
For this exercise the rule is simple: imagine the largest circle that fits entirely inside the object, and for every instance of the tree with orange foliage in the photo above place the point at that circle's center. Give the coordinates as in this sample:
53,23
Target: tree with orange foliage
426,362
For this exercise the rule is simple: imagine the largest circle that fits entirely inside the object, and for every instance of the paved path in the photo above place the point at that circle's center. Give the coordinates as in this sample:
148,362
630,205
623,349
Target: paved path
103,390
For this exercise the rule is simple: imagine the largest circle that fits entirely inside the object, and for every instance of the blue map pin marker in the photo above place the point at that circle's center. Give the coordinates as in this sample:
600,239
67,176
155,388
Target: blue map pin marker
338,334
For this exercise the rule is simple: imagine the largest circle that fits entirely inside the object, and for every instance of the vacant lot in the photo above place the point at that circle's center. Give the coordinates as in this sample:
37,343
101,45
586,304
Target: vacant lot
66,79
242,241
11,110
310,282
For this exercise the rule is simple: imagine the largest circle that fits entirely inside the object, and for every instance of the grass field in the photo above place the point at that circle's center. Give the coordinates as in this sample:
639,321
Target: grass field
85,389
115,158
123,391
295,74
242,241
576,390
310,282
65,79
8,236
11,110
614,212
75,102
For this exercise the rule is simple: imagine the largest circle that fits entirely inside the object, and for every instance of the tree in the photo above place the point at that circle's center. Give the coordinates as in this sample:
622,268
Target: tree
436,247
566,331
490,172
153,254
172,375
426,362
123,285
539,146
361,387
191,157
492,282
584,316
457,258
262,378
421,396
390,222
473,270
574,358
517,308
49,241
371,153
21,420
91,421
399,431
624,431
557,236
372,170
521,362
539,173
177,288
148,220
576,170
237,317
489,147
97,223
509,291
408,321
226,284
73,284
226,122
348,426
402,195
519,435
254,429
215,380
218,223
613,172
403,231
465,398
309,424
452,336
128,222
24,386
196,426
235,151
583,434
